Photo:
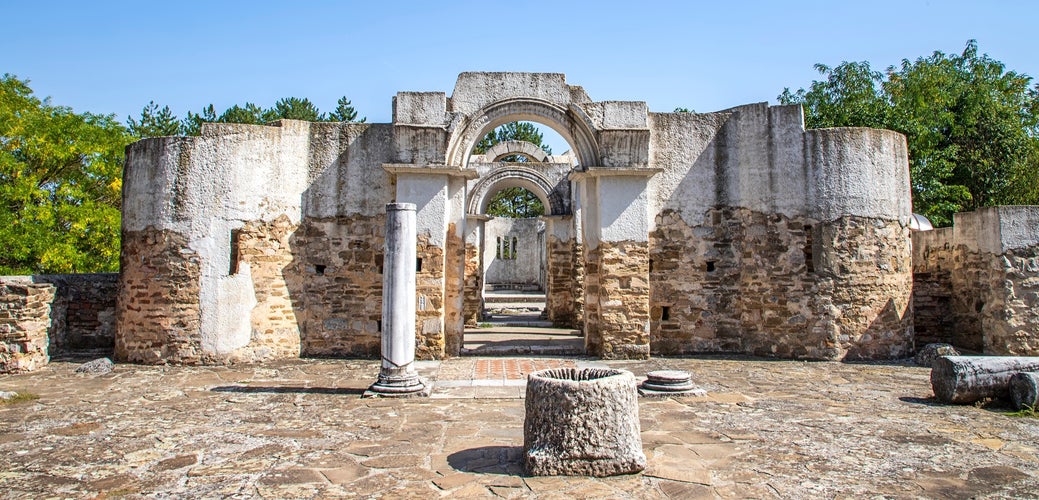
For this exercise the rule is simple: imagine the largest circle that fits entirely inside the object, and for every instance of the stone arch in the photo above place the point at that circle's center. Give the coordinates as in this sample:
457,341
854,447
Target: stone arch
523,148
570,123
515,176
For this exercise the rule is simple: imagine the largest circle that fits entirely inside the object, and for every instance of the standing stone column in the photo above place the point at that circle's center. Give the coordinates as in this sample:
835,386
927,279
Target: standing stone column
398,376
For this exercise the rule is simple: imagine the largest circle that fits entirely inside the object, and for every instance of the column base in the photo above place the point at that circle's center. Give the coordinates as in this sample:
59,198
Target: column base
398,386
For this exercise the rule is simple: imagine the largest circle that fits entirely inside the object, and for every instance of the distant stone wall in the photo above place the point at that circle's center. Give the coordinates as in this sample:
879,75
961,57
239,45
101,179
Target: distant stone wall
769,285
82,313
977,283
25,316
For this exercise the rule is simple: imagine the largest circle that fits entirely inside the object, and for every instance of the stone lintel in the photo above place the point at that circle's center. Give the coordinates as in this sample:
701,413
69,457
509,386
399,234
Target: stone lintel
614,172
448,170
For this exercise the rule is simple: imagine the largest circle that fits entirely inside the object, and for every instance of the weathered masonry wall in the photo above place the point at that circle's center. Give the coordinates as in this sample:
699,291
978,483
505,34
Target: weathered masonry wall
670,233
983,273
513,254
776,241
75,311
25,310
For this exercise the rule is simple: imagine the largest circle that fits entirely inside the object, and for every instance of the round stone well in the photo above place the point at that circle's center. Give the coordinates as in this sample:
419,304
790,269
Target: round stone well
582,422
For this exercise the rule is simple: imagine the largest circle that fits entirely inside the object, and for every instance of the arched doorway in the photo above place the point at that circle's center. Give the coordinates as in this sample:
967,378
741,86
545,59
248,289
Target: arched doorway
513,262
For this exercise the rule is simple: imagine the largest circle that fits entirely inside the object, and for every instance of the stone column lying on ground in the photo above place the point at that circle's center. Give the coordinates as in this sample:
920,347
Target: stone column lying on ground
582,422
966,379
1024,390
398,375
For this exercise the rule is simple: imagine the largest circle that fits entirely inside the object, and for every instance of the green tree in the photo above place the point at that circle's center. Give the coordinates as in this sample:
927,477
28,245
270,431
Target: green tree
971,126
516,203
683,110
515,131
192,125
60,185
154,122
294,108
345,112
249,114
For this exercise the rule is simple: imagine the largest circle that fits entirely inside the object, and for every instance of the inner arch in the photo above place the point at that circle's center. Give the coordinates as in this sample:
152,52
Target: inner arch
513,176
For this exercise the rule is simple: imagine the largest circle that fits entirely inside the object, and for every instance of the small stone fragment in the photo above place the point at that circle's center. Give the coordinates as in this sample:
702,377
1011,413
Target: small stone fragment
931,352
98,366
5,395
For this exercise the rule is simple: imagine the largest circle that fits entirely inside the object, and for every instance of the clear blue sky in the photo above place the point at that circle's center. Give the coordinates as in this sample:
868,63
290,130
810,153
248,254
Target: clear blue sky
114,57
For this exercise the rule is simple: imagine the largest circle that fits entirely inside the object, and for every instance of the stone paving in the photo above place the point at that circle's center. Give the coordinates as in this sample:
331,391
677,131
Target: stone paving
299,429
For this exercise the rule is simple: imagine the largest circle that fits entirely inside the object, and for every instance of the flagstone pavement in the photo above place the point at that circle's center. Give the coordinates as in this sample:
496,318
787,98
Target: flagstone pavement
299,429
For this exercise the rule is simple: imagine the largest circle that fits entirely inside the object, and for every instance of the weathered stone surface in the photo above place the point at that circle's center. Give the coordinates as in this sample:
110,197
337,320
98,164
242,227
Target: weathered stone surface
98,366
1024,390
742,281
25,317
966,379
582,422
931,352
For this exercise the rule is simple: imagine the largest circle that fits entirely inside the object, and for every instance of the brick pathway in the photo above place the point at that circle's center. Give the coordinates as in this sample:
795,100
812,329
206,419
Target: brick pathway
514,368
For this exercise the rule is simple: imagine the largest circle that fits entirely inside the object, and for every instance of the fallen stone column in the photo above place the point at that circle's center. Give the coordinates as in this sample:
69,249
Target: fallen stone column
966,379
582,422
1024,390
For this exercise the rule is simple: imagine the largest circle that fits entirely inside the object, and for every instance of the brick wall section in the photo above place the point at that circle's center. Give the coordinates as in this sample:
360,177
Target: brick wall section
933,297
278,282
24,319
746,282
341,274
158,317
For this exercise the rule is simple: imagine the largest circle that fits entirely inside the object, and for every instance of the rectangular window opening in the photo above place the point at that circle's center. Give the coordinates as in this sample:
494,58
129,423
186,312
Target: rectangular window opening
378,263
418,265
236,236
710,266
378,325
665,313
808,254
319,269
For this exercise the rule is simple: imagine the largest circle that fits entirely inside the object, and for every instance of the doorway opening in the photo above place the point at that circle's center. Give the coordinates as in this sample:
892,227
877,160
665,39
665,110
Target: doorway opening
521,183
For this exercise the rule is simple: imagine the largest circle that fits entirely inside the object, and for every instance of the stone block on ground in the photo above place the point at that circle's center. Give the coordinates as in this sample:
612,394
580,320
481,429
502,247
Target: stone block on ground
98,366
931,352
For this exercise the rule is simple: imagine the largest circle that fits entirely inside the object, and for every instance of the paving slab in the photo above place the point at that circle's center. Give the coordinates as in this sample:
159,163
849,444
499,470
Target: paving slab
299,429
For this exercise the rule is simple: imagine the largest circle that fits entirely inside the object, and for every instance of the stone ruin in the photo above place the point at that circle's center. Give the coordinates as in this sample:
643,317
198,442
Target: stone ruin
735,231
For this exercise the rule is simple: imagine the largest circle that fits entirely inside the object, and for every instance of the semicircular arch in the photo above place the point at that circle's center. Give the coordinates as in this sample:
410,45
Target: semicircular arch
566,122
509,148
513,176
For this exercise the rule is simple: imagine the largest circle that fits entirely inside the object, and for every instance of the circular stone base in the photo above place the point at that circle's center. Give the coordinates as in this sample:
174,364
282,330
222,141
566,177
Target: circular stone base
668,381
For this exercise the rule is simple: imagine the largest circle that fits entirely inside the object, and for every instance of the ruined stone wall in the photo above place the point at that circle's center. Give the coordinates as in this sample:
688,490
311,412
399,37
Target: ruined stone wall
340,268
473,287
267,249
623,300
984,271
82,314
158,311
764,284
429,313
562,292
25,316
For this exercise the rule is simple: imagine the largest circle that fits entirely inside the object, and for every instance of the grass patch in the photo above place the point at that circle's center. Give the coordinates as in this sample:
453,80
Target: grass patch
21,397
484,325
1026,412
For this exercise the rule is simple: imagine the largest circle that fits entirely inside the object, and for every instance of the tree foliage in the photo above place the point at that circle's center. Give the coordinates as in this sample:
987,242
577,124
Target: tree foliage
514,131
60,184
972,127
156,122
516,203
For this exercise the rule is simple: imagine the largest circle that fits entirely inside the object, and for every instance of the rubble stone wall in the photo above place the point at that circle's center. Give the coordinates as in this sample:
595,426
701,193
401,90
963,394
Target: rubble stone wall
764,284
340,269
25,316
984,274
82,314
158,315
562,290
623,300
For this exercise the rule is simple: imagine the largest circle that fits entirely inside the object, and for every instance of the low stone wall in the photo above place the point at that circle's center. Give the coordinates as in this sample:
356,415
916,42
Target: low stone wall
25,316
977,283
